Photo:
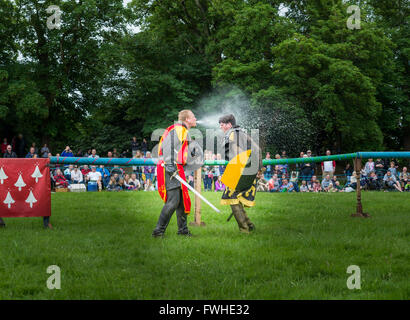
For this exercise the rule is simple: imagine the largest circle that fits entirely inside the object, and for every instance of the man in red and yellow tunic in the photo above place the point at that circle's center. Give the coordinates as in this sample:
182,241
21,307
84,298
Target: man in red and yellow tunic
172,157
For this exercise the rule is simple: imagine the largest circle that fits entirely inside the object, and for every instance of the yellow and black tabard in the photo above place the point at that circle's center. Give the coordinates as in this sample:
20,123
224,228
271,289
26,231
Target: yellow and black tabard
240,173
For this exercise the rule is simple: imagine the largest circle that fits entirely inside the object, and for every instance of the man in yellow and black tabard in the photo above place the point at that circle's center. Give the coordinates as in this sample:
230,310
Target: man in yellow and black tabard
172,157
243,169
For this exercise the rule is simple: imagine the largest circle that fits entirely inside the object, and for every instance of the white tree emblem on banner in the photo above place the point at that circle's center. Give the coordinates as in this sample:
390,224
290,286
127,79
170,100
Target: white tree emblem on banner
36,174
3,175
20,182
30,199
9,200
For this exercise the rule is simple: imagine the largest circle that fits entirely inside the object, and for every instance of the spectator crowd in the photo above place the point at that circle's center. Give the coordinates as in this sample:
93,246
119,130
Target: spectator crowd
382,174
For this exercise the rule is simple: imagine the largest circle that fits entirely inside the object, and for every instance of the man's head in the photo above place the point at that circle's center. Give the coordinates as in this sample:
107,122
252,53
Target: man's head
93,152
313,178
109,154
388,173
226,122
327,177
31,150
404,169
134,139
9,148
328,152
302,154
187,117
93,168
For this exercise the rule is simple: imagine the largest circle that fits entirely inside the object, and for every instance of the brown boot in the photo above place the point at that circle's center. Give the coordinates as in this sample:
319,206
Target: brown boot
239,215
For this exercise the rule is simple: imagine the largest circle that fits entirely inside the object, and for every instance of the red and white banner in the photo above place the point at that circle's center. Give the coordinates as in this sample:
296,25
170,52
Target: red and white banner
25,188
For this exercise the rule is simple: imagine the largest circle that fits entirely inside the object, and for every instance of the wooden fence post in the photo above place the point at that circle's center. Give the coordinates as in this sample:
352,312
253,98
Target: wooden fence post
198,185
359,208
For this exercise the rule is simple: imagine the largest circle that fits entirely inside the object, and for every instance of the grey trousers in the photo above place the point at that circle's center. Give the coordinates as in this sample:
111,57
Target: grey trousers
174,202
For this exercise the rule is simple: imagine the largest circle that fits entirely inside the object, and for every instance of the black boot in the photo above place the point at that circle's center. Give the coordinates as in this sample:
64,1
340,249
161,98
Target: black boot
2,223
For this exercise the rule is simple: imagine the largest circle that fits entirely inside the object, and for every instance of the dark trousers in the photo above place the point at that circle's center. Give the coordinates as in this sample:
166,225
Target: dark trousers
175,202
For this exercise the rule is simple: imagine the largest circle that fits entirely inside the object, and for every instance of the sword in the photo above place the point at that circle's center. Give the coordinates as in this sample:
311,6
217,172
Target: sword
196,192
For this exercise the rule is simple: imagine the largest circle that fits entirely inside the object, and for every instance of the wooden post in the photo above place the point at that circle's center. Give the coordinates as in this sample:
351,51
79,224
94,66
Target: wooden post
198,185
359,208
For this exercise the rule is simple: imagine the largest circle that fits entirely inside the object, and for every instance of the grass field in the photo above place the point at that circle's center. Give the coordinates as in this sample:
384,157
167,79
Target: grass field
301,249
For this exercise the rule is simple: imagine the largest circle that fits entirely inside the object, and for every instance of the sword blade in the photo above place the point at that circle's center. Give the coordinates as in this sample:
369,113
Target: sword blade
196,193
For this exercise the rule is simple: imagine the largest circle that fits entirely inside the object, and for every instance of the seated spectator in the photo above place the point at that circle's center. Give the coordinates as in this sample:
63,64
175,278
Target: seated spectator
105,174
337,186
76,176
274,183
9,153
316,187
113,185
94,176
60,180
393,170
115,153
85,170
369,167
127,186
134,182
304,187
31,153
353,181
277,170
263,185
219,186
379,168
348,172
286,186
67,152
117,170
404,177
311,183
94,154
373,182
326,182
294,180
44,151
148,186
390,181
67,173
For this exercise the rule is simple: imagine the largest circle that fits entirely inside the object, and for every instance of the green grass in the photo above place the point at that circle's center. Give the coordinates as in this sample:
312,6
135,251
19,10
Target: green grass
301,249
